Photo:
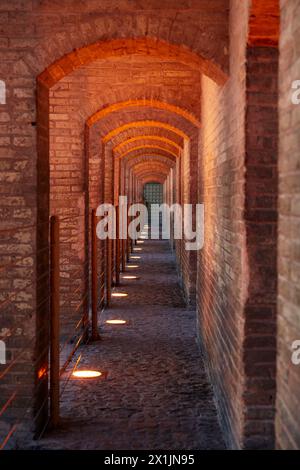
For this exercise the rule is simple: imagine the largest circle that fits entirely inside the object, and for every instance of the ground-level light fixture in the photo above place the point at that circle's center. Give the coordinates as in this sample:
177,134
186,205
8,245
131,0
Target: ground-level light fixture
135,257
137,249
116,322
86,374
119,294
129,277
132,266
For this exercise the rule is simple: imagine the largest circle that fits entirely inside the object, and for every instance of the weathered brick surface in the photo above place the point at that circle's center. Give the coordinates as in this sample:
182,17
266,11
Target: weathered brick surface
37,36
288,375
261,235
222,264
237,278
103,97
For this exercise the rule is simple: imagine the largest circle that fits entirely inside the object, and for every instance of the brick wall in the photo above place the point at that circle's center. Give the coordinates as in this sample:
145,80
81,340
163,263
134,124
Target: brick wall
187,261
237,275
236,284
288,375
261,235
222,264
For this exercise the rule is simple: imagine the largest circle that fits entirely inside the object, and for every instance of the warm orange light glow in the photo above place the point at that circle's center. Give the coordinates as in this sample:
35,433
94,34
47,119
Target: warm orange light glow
135,257
147,146
132,266
42,372
140,124
86,374
116,322
119,294
137,249
143,102
140,242
130,277
146,137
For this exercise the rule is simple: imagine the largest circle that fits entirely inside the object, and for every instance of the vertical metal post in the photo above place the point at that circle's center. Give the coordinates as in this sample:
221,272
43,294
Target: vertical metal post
123,240
54,321
108,271
123,255
102,273
117,265
128,241
94,256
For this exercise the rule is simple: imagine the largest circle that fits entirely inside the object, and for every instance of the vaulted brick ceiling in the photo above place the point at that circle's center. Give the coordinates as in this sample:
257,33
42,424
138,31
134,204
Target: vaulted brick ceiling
135,96
137,105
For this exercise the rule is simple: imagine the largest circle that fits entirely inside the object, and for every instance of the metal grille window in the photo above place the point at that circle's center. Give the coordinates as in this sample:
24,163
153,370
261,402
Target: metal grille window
153,193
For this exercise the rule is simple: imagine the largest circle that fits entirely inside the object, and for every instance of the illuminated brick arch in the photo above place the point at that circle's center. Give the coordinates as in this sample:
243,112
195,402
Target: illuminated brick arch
136,133
132,159
152,178
120,47
139,177
141,124
158,166
147,147
146,137
143,103
145,172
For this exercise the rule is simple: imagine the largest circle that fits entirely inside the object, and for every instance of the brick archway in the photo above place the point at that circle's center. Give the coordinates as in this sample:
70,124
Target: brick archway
102,98
147,138
178,124
121,47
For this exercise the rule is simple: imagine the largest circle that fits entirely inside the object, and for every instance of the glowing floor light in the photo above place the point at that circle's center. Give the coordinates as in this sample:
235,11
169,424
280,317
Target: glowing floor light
86,374
132,266
140,242
135,257
137,249
129,277
116,322
119,294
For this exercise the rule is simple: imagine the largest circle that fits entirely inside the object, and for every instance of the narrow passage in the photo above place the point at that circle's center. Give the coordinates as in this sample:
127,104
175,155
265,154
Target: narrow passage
156,394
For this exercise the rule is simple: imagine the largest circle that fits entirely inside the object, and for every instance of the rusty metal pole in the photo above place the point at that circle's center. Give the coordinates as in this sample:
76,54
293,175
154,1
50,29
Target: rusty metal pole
123,241
54,321
94,256
128,241
108,271
102,273
86,302
117,266
128,245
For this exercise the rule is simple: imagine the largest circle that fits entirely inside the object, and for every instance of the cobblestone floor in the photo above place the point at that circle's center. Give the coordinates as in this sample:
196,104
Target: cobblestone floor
156,394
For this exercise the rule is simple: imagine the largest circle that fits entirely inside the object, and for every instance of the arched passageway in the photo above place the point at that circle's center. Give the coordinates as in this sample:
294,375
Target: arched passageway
100,105
152,397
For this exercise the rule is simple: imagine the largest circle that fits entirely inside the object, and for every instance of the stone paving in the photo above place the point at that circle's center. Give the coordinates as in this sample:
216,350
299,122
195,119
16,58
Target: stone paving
156,394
